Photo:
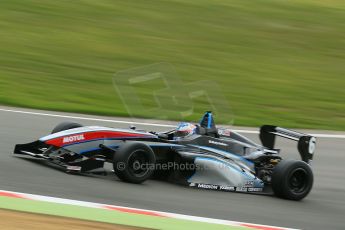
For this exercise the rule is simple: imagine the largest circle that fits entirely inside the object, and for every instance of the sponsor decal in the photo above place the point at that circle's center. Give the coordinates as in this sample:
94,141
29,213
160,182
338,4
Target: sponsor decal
225,188
217,143
255,189
224,132
73,138
90,136
241,189
208,186
73,168
248,183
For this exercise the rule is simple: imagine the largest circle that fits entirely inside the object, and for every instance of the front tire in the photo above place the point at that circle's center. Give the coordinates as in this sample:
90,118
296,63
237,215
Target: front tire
65,126
292,179
134,162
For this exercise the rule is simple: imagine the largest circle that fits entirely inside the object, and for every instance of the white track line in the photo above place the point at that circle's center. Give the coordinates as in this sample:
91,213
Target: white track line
84,118
56,200
143,123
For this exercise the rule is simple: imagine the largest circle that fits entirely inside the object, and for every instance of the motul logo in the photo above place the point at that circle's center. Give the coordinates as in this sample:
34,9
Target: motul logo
73,138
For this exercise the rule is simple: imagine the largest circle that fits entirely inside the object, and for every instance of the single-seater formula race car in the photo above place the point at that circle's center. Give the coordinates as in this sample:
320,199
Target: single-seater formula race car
197,155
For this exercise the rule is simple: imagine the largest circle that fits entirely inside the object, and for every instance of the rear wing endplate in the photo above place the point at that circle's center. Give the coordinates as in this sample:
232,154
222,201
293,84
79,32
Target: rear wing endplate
306,143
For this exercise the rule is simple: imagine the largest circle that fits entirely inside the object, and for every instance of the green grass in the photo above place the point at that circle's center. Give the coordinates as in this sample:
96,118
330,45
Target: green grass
279,62
107,216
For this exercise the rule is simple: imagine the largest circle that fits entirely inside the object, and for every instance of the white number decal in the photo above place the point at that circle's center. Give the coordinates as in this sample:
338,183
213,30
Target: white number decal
312,145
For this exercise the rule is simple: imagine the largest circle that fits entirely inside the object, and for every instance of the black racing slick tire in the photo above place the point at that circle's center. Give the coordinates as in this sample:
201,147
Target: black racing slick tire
134,162
292,179
65,126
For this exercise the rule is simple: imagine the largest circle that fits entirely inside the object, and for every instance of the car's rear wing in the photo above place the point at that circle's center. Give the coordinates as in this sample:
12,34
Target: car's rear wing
306,143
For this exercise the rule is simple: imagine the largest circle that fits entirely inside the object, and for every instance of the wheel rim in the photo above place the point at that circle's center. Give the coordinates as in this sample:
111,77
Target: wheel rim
138,163
298,181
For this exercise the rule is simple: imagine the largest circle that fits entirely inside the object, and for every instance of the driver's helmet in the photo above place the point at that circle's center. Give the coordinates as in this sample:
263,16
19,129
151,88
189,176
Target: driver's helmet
185,129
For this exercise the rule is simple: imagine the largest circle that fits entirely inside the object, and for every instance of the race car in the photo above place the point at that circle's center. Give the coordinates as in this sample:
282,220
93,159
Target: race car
196,155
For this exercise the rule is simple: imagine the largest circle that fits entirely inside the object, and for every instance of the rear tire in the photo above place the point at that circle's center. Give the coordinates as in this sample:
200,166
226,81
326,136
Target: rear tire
65,126
292,179
134,162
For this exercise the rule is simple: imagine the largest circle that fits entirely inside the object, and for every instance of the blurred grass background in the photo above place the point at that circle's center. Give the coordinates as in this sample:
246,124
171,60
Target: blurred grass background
279,62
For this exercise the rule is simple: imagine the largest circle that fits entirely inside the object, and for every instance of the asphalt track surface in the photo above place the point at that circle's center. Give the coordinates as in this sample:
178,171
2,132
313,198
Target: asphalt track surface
324,208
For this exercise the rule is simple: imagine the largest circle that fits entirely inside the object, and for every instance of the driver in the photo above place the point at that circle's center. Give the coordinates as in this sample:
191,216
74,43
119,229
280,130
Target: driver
184,130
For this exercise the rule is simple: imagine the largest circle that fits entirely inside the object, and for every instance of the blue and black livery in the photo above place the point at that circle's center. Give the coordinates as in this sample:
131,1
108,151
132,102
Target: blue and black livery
210,158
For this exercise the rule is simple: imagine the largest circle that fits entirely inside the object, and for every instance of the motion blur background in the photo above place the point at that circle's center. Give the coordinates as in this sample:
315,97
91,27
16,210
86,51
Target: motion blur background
280,62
